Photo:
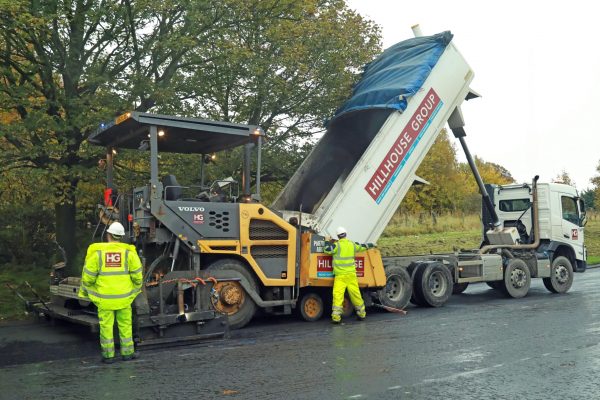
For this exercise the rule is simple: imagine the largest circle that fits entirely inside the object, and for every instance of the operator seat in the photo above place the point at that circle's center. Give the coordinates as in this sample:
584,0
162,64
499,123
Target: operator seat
173,192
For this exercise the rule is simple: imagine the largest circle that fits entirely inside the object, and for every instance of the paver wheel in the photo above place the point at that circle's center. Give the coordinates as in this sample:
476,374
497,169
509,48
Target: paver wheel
229,297
517,278
433,284
398,288
348,308
561,275
311,307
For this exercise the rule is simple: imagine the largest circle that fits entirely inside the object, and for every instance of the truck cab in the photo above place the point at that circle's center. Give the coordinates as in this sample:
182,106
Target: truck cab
562,218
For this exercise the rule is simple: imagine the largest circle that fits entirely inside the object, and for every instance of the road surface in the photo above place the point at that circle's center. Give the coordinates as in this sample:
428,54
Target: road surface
480,345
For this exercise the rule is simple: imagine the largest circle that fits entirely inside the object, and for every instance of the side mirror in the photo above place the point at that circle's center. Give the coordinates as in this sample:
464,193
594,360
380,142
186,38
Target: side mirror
582,213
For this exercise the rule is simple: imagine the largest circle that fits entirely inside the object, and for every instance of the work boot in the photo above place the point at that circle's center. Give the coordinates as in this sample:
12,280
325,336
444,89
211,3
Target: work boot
129,357
361,317
336,321
108,360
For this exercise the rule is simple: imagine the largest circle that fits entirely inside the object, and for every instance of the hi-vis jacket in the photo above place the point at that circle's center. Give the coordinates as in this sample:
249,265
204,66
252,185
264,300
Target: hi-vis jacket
343,256
112,275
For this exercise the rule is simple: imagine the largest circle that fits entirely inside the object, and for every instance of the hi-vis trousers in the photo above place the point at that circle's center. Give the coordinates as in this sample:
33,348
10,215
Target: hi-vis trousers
107,323
340,284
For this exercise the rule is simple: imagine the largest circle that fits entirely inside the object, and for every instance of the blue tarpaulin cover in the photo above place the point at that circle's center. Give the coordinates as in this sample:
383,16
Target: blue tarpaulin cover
396,74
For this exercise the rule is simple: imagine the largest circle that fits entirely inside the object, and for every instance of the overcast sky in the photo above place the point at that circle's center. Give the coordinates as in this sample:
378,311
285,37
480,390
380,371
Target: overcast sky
537,66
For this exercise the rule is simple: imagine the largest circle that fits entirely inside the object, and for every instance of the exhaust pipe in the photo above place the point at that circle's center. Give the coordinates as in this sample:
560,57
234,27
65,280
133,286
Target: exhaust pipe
536,228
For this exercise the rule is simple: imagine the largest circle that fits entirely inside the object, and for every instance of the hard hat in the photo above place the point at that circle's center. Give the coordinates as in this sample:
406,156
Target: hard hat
340,231
116,229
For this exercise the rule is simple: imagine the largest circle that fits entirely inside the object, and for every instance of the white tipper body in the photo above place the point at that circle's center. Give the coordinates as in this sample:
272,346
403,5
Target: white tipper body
365,200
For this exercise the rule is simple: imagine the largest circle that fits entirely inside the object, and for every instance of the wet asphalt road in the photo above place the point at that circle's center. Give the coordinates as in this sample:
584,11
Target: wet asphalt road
480,345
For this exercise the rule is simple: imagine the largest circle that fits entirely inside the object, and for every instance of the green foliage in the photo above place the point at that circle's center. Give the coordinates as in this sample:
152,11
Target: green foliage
596,182
452,185
589,197
66,66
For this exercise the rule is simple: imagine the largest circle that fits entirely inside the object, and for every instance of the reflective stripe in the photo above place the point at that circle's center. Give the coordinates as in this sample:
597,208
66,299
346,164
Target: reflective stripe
108,273
127,261
108,341
360,308
99,259
114,296
339,248
136,271
87,271
345,258
126,340
344,264
82,288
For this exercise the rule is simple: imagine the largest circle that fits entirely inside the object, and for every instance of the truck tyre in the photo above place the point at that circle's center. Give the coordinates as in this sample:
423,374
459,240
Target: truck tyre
230,297
416,297
517,278
433,284
398,288
561,276
311,307
458,288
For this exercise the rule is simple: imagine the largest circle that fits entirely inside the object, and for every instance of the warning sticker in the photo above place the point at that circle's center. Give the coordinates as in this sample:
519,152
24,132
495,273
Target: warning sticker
325,266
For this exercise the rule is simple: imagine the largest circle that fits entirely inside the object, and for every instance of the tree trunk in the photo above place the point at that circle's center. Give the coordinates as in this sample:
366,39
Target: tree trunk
65,233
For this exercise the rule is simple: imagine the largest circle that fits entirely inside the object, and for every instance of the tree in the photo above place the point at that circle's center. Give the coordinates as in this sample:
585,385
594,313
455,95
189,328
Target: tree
596,182
440,169
67,65
589,197
563,177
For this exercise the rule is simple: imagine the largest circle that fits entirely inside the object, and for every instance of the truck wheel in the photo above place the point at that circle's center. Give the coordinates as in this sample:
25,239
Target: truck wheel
398,288
458,288
561,276
311,307
433,284
416,297
230,297
517,278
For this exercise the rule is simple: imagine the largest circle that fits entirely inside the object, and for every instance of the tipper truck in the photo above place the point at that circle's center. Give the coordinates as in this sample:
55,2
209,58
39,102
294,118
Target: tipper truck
214,254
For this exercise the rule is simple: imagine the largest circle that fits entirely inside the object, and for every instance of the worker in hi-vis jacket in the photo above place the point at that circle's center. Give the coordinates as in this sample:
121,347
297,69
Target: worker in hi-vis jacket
344,270
111,279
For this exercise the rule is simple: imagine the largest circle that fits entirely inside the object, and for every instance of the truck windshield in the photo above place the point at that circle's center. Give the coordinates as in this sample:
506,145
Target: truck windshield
569,209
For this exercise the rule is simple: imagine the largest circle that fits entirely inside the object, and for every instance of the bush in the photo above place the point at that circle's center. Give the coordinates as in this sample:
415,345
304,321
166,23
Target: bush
27,236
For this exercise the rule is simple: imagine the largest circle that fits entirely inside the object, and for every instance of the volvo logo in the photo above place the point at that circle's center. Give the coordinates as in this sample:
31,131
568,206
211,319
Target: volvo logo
194,209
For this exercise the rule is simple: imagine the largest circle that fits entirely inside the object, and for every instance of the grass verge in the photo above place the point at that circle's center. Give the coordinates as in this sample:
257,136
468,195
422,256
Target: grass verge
11,307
